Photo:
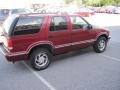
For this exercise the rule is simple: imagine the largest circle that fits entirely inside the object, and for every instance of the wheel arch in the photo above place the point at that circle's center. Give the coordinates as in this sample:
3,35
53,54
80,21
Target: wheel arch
103,35
45,46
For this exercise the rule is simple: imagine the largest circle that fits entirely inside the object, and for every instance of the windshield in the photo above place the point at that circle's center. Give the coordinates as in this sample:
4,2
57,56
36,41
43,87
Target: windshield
8,23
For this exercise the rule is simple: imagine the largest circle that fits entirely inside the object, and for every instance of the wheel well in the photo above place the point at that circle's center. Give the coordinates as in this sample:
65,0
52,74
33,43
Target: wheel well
46,46
104,35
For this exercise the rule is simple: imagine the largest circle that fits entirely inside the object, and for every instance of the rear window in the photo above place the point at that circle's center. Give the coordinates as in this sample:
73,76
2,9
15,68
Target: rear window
28,25
8,24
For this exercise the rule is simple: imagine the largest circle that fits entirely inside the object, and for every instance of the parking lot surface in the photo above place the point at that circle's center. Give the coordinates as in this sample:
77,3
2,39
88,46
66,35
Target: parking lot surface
80,70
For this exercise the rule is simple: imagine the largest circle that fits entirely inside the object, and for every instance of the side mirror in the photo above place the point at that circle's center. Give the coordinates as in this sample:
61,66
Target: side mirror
89,27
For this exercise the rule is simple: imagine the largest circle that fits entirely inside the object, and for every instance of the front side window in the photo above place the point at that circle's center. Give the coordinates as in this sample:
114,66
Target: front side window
28,25
58,23
77,22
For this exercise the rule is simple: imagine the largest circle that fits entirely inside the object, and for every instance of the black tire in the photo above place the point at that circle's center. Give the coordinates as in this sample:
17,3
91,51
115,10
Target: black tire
40,59
97,48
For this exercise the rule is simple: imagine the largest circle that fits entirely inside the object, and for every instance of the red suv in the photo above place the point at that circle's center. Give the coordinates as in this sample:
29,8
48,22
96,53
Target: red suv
38,37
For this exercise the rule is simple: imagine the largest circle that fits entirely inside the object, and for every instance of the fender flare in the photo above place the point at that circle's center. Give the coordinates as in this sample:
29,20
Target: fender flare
37,44
100,34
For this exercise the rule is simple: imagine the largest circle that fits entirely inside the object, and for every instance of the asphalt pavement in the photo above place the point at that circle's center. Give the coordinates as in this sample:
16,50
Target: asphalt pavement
79,70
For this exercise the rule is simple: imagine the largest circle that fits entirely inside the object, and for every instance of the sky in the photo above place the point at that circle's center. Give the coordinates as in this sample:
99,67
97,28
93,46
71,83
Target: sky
24,3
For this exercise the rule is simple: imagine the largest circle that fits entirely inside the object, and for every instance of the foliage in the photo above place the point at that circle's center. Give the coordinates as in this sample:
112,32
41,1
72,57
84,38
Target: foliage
68,1
95,2
102,2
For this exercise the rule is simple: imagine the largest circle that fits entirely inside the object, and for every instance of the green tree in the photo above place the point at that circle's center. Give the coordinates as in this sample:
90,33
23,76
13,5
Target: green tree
101,2
107,2
68,1
79,2
117,2
95,2
84,1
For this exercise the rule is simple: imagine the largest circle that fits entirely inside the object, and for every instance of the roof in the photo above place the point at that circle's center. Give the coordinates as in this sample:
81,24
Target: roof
48,14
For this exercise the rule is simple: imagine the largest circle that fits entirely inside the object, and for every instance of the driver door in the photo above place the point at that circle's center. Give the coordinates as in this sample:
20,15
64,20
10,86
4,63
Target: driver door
81,35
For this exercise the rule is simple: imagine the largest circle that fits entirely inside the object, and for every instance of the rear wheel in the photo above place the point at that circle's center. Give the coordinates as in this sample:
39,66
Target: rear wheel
40,59
100,45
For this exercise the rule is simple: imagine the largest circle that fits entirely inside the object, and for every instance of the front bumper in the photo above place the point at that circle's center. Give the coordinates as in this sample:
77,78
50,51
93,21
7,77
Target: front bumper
12,57
109,37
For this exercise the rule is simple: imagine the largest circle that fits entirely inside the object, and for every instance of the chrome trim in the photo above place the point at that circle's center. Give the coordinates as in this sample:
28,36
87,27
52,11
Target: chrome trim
38,43
5,48
18,53
2,51
109,37
75,43
63,45
28,49
57,46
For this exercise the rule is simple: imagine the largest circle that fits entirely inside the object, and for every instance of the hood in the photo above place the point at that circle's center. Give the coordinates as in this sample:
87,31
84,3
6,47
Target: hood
100,27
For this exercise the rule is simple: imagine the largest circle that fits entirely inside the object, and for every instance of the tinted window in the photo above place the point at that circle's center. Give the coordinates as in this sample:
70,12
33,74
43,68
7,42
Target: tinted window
58,23
78,22
28,25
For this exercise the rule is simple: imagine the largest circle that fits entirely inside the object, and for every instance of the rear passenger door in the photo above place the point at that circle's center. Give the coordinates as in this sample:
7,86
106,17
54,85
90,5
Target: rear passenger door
59,33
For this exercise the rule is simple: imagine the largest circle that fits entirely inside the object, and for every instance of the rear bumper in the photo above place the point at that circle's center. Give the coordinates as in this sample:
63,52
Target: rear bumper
11,56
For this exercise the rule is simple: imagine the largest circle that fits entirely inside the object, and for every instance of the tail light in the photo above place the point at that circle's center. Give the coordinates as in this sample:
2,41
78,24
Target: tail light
9,44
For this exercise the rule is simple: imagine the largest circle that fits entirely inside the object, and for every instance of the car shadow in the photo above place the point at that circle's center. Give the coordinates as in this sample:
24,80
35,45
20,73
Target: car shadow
63,57
67,56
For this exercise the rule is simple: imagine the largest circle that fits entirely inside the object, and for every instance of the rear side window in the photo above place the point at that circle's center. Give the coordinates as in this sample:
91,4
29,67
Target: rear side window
58,23
28,25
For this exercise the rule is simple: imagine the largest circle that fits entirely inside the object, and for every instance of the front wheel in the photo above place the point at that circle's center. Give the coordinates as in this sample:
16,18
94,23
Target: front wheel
100,45
40,59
